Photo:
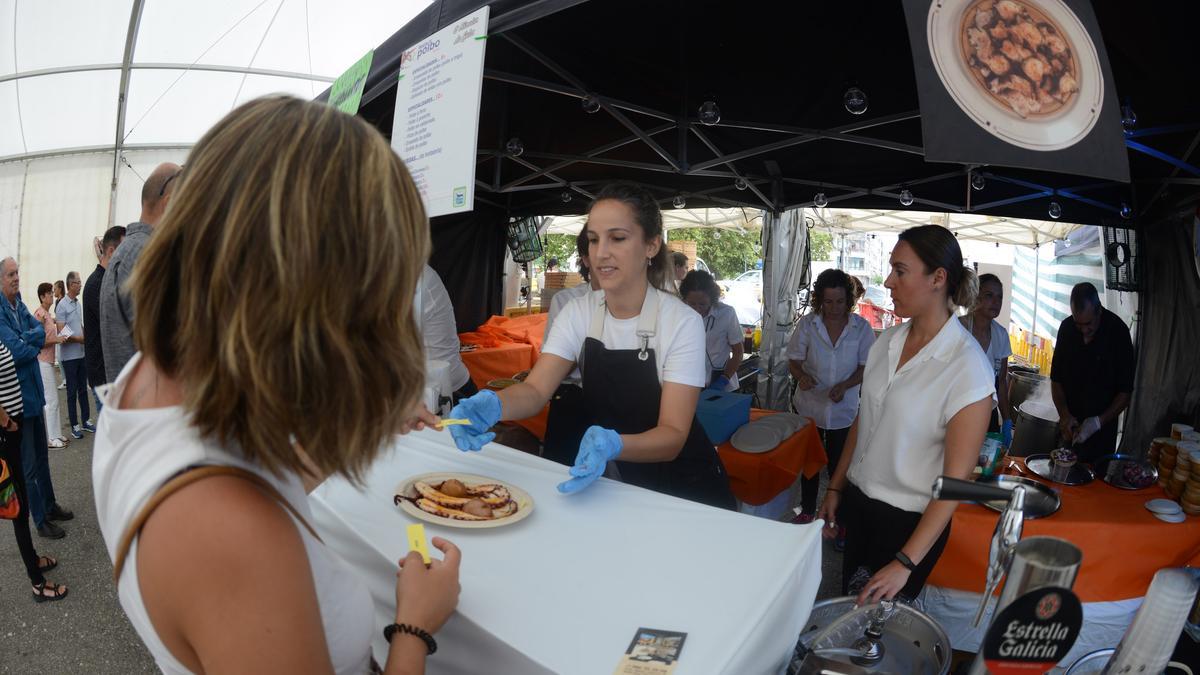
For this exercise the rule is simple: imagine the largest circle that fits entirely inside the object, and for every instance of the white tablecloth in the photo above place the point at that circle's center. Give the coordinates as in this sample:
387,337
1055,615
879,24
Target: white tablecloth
565,590
1104,623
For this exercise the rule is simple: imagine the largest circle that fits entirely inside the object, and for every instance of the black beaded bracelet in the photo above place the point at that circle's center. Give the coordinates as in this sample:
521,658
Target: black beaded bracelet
906,561
430,643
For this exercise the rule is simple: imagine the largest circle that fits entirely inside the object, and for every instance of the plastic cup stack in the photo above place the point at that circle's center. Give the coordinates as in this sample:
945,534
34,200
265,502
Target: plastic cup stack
1189,498
1178,429
1167,457
1150,640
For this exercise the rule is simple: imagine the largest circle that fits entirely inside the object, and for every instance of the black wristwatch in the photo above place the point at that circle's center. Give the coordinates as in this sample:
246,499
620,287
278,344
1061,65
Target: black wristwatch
430,643
906,561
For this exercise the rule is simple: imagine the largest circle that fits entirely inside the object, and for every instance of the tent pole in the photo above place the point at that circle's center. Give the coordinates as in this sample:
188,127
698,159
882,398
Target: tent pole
135,20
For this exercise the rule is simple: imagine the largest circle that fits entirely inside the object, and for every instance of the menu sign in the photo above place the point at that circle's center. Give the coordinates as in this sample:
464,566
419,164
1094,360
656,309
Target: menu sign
436,125
1034,633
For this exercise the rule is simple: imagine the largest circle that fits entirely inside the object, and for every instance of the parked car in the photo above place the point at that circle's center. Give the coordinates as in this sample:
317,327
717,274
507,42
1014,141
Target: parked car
744,294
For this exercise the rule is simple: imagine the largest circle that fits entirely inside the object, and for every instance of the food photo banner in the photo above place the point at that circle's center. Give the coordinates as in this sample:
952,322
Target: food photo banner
1021,83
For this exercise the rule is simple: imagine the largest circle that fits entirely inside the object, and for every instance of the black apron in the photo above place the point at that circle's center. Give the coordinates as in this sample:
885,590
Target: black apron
621,392
565,424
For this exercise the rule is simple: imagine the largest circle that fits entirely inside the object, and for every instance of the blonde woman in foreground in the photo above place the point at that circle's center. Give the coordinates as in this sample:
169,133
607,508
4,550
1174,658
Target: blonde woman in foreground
274,323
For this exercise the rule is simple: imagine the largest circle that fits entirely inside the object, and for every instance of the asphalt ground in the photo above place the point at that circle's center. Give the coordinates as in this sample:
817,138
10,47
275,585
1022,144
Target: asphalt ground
87,632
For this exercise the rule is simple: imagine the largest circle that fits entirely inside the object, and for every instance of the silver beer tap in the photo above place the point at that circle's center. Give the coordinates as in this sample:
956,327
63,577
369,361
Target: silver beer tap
1004,540
1008,526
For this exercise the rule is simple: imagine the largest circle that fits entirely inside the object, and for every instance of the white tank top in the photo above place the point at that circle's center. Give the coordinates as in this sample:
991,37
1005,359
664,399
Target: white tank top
137,451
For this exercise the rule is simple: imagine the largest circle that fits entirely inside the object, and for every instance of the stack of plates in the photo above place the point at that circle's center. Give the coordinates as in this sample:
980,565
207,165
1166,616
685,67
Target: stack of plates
766,433
1166,510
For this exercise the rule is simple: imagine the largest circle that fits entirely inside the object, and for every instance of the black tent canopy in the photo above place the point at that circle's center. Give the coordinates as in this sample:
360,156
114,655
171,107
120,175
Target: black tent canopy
602,90
777,72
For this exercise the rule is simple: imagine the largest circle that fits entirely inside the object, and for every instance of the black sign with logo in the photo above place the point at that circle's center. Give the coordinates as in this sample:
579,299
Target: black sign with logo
1034,633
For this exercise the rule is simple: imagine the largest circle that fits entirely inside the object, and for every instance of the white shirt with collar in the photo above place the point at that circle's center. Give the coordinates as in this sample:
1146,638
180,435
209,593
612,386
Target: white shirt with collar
902,421
435,320
829,364
721,332
557,303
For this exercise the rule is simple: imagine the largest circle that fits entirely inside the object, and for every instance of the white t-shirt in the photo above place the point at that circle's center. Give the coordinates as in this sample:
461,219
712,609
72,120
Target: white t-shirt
998,349
678,343
438,330
902,420
559,301
829,364
137,451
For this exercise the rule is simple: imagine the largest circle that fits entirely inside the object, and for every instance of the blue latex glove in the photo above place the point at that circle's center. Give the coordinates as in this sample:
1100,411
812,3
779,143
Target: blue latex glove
483,409
720,383
1006,433
599,445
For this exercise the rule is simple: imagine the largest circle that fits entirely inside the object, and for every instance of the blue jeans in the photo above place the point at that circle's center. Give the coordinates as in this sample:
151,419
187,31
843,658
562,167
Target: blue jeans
99,405
77,386
35,462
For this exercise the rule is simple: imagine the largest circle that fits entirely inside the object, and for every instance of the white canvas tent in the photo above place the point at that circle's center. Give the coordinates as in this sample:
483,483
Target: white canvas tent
93,95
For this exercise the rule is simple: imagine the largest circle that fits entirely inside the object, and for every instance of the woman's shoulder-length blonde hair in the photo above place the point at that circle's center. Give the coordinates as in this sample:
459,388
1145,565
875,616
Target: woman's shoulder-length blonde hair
278,288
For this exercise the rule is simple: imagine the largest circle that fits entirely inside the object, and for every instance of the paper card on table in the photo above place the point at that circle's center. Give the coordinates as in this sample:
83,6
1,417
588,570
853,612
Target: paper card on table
652,652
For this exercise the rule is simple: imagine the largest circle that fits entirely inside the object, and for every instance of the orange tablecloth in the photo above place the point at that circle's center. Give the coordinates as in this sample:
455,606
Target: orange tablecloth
492,363
757,478
1123,544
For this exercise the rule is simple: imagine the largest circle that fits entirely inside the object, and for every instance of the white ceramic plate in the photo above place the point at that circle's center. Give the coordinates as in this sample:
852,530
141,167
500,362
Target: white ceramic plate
1056,130
1171,517
756,439
521,497
785,426
1164,506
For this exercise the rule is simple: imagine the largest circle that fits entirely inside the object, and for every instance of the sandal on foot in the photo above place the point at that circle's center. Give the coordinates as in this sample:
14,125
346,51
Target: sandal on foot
46,563
49,592
56,443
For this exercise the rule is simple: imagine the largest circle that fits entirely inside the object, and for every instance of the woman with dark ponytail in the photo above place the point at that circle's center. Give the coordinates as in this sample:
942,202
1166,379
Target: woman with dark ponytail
642,355
926,398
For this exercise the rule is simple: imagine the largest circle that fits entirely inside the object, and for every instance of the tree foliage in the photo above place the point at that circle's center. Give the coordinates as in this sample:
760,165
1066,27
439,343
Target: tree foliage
727,252
820,245
560,246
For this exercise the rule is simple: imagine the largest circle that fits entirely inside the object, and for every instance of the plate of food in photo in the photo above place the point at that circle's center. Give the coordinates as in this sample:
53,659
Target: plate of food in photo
1025,70
463,500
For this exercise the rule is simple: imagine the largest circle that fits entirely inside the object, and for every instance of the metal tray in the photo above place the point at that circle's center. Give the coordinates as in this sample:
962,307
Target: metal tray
1040,500
1040,464
1111,469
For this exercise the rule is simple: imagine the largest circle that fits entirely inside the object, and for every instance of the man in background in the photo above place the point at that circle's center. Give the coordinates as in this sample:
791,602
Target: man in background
24,337
70,314
93,345
1091,375
116,308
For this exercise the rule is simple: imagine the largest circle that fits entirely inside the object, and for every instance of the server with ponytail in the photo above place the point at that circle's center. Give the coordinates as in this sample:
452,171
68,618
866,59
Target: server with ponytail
925,403
642,355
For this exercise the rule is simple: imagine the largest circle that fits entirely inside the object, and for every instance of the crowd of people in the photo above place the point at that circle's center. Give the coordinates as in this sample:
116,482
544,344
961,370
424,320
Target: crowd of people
235,379
71,330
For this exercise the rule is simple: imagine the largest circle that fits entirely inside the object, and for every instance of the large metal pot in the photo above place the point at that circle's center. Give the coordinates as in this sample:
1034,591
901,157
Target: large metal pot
1021,386
901,639
1032,432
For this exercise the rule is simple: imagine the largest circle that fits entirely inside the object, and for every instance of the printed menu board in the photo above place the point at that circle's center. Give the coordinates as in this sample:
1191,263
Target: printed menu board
436,124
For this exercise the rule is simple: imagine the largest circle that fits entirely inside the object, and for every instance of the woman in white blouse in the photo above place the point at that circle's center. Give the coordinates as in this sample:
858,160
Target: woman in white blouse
993,339
926,396
277,347
827,355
